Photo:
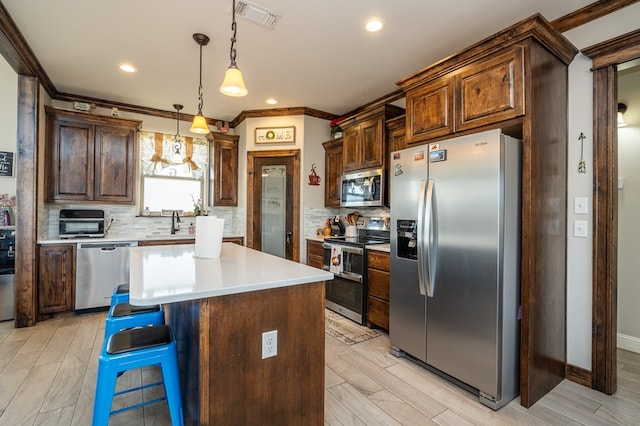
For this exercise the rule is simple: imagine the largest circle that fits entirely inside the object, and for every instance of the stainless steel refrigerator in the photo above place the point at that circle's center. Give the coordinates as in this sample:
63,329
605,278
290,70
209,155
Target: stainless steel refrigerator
455,261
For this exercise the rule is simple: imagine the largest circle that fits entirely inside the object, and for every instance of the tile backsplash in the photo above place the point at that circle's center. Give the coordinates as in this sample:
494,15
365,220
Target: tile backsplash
316,218
127,223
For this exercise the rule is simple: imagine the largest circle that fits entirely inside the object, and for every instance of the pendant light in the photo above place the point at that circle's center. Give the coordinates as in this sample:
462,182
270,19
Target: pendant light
199,122
622,108
233,83
177,143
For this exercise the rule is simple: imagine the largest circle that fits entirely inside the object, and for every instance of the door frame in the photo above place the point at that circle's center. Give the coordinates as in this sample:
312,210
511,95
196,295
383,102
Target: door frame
251,202
605,57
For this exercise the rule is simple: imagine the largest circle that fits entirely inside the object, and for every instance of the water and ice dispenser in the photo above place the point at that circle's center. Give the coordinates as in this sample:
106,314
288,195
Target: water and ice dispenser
406,247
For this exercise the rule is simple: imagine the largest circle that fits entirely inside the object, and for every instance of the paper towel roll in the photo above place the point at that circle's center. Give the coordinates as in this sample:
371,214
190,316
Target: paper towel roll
209,230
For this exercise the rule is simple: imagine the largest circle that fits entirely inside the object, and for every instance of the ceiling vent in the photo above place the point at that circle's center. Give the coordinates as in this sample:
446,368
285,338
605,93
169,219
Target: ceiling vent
258,14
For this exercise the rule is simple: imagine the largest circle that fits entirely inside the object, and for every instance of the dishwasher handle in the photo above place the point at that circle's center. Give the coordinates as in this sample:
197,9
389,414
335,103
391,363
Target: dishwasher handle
107,246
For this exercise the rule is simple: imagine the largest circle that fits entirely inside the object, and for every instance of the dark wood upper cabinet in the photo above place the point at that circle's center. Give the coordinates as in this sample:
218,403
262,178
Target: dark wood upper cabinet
223,159
430,110
484,92
115,164
90,158
396,133
332,172
364,141
491,90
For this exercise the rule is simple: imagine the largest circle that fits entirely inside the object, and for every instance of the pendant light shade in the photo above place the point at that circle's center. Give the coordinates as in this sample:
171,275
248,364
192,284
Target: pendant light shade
233,83
199,125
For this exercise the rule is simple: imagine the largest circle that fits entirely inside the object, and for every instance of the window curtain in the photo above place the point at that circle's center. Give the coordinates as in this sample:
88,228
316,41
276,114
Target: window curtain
189,154
157,155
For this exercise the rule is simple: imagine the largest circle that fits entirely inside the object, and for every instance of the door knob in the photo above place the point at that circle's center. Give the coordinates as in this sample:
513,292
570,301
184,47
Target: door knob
289,235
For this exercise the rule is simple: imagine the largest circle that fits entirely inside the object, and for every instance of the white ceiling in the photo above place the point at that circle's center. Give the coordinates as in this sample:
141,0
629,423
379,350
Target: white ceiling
317,56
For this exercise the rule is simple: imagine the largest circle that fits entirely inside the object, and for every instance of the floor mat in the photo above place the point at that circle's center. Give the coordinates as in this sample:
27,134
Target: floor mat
346,330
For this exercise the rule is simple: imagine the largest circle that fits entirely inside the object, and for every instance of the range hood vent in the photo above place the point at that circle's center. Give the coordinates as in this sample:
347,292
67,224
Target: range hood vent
257,14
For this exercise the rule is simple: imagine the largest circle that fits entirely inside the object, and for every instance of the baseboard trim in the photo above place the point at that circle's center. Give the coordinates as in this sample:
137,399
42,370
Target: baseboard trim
629,343
578,375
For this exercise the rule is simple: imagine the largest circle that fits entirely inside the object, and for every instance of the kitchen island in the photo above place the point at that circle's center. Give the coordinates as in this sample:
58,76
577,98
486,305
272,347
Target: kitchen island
219,309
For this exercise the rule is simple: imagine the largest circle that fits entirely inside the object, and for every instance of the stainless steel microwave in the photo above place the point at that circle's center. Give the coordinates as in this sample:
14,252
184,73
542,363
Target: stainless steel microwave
363,189
78,223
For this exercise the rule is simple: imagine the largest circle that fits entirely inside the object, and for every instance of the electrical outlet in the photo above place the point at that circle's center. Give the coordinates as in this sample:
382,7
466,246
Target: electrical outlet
269,344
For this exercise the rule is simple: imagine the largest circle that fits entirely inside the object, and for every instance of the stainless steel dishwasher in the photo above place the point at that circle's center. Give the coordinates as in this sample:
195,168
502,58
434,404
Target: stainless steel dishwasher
99,268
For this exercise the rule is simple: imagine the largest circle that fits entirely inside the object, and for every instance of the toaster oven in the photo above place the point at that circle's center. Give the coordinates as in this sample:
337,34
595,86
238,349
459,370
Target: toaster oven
80,223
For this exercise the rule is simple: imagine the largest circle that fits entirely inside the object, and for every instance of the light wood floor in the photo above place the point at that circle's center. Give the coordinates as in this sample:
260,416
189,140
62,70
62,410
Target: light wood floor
47,377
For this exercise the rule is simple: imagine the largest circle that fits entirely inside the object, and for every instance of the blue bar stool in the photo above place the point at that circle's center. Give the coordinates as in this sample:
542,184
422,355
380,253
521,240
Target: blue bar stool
125,315
136,348
120,294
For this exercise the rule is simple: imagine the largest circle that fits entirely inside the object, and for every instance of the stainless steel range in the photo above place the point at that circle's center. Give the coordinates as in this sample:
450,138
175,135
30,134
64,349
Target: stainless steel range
346,258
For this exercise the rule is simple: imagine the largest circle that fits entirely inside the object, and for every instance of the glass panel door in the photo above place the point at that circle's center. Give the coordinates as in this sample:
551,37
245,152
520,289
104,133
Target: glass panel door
274,208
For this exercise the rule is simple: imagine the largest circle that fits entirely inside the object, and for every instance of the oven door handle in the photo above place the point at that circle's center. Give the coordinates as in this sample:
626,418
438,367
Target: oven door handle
350,276
346,249
353,250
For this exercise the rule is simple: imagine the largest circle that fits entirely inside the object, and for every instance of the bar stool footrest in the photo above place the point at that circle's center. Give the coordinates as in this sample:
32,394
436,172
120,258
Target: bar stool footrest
138,405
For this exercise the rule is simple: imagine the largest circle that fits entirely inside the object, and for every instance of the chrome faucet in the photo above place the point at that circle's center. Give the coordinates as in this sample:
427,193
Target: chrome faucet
175,222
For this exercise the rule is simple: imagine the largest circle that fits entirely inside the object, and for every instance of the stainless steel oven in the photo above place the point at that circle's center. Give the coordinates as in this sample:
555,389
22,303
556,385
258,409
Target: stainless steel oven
345,294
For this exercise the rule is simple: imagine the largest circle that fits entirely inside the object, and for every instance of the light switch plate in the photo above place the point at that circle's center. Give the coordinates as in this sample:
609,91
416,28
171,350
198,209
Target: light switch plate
580,228
580,205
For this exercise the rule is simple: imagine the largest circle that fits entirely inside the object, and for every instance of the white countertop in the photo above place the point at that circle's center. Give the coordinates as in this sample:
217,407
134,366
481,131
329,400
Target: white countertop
319,238
172,273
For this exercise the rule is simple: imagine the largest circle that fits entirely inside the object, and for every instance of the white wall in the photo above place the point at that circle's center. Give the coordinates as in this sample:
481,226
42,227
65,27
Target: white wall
310,133
8,121
579,263
628,207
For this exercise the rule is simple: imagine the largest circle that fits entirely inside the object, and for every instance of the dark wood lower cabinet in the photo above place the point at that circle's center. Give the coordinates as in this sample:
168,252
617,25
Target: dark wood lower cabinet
56,278
378,289
314,253
224,379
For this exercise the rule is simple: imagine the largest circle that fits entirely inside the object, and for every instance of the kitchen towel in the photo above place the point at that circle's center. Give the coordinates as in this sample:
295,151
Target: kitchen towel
336,260
209,230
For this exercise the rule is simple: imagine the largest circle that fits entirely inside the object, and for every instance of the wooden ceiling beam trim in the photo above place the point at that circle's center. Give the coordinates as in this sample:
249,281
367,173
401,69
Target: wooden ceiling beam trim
278,112
615,51
154,112
589,13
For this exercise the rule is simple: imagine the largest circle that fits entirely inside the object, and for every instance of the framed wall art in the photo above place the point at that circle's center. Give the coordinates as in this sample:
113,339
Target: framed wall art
276,134
6,163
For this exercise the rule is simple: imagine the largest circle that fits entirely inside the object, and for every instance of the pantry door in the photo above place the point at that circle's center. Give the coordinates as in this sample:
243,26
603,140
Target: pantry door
273,207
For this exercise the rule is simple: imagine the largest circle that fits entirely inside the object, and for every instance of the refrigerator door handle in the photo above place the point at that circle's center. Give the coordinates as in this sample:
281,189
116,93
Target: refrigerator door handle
430,237
422,232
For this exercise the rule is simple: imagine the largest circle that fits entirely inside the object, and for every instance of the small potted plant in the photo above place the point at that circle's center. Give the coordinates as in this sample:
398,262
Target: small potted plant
197,206
336,130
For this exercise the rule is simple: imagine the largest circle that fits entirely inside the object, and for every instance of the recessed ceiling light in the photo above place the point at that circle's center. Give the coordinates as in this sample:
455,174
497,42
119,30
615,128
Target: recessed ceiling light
128,68
271,101
373,25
